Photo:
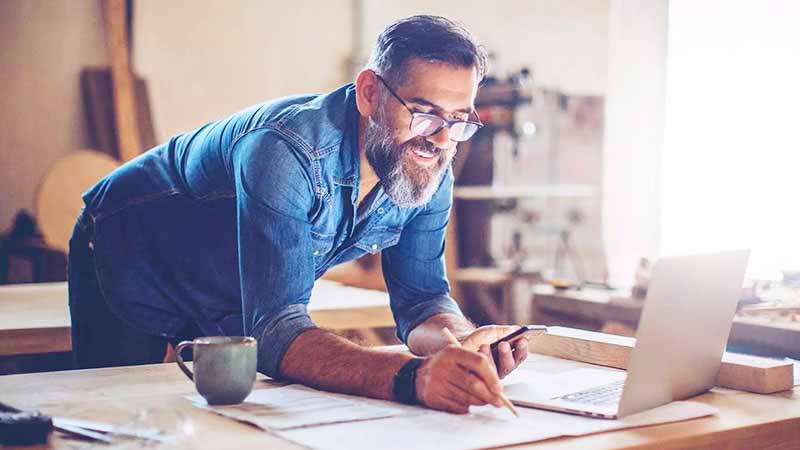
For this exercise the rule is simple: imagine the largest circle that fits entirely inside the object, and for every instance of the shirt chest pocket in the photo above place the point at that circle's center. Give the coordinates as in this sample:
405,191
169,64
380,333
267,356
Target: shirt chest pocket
321,245
378,238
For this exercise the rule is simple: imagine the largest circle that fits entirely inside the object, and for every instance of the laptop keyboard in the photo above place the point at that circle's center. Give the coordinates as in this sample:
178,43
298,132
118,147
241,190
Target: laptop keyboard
601,395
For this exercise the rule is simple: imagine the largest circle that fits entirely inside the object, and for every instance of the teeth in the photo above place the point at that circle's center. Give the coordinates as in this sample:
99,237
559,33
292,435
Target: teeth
424,154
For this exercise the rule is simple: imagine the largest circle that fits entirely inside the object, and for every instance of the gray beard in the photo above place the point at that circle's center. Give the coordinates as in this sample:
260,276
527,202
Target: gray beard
407,184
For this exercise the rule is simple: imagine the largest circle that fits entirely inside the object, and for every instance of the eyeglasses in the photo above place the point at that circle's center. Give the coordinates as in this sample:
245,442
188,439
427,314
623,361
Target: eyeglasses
424,124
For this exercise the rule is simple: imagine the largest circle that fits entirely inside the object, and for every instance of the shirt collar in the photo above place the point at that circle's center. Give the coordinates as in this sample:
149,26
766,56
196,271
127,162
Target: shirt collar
349,158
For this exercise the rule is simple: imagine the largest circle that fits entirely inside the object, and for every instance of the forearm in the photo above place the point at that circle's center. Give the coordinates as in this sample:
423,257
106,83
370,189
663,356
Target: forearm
325,361
427,337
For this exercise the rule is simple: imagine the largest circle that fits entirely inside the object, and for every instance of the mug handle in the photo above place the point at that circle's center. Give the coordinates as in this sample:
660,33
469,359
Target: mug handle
179,358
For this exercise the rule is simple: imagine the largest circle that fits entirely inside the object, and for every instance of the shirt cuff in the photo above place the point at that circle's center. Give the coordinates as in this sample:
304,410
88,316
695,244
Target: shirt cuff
410,318
278,334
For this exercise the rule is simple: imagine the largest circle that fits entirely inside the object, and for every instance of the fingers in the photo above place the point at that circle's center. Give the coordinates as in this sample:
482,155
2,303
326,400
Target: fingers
487,334
520,351
476,389
450,405
455,378
506,363
464,396
481,366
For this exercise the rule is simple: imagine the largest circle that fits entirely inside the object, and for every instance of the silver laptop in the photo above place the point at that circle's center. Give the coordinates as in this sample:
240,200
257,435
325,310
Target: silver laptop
681,337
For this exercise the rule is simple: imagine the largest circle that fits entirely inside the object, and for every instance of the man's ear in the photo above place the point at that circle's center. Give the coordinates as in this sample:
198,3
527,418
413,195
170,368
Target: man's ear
367,92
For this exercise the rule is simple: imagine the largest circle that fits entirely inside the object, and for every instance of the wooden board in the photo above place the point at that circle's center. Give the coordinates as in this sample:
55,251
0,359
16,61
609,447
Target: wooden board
742,372
126,116
58,199
98,100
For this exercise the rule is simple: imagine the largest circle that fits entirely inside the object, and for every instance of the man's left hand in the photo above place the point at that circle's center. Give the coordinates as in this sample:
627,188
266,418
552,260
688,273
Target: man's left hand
509,357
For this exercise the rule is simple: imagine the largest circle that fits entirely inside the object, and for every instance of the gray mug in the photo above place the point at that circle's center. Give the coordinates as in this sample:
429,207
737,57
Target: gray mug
224,367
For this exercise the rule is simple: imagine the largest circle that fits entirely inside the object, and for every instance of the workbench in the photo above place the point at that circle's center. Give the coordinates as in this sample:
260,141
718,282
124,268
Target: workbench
118,395
34,318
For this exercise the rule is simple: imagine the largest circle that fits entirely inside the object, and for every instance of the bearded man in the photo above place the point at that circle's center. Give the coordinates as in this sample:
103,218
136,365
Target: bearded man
223,230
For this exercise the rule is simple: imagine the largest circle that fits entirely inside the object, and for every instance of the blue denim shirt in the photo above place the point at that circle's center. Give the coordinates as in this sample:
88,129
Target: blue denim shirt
229,226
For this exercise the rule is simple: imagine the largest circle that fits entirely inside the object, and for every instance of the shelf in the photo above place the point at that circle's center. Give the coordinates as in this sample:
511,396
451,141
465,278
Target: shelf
512,192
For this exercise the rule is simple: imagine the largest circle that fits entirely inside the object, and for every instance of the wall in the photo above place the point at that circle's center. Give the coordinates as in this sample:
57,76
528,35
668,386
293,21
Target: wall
637,58
564,42
43,46
203,60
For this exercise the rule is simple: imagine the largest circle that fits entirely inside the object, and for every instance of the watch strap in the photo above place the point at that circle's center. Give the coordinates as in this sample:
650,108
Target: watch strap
405,382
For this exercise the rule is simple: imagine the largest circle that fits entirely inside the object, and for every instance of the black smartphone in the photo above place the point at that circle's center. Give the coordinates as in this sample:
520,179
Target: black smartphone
522,333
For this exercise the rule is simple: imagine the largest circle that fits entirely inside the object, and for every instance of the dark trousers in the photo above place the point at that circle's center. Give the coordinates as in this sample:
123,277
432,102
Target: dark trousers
99,337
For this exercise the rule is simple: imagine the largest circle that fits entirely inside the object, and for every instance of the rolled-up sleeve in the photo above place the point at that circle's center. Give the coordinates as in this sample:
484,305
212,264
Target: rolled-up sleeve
276,268
414,269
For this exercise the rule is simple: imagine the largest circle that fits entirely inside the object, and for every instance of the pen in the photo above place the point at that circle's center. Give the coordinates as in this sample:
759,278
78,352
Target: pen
503,398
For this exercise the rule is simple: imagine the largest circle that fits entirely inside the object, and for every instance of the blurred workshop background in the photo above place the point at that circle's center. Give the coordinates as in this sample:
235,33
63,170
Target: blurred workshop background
618,132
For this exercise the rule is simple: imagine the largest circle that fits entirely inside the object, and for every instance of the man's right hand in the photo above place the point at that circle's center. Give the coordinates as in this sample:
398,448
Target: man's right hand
455,378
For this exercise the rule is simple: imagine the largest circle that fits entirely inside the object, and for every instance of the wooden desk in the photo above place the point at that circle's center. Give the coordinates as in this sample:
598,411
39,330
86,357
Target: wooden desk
745,421
591,308
34,318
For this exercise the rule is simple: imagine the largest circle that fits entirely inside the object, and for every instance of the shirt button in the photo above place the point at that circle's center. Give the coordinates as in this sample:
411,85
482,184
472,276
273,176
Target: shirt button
316,252
374,246
380,210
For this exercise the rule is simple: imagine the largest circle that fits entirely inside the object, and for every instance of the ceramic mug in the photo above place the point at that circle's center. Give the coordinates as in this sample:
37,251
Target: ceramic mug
224,367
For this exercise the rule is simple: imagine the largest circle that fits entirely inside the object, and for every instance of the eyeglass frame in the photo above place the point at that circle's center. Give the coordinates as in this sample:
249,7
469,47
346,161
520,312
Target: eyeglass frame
447,123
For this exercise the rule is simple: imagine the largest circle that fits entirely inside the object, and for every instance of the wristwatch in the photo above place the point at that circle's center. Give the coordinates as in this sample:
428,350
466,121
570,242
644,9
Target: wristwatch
405,382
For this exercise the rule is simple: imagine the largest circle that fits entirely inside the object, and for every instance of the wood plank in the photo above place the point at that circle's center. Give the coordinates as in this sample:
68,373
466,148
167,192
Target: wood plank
508,192
126,115
353,318
98,100
31,342
741,372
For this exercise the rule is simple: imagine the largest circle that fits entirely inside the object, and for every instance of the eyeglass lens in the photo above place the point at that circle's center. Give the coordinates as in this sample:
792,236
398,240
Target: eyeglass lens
429,124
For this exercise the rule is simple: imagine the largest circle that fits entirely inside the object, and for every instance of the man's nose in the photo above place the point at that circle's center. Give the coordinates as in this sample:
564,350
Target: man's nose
441,139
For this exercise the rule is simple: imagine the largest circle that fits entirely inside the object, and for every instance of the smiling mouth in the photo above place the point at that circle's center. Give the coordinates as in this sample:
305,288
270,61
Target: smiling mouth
425,154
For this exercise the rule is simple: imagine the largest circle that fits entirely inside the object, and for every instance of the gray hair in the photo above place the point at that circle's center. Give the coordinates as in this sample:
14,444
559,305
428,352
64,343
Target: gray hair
430,38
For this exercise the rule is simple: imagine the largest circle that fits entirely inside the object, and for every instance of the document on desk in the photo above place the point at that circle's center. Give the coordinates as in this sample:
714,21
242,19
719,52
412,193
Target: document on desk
297,406
484,427
488,427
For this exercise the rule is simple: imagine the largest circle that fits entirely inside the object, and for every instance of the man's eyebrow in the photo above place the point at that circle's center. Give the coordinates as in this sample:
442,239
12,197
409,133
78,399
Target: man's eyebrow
422,101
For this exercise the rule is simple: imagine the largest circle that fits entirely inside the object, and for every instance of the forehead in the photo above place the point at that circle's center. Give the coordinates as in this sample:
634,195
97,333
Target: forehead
449,87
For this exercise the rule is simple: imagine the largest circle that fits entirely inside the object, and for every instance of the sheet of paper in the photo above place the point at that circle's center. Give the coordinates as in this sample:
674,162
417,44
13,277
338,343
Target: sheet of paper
484,427
796,370
297,406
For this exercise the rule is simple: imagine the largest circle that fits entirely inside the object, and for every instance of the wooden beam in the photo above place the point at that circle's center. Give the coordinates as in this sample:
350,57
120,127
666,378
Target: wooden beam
742,372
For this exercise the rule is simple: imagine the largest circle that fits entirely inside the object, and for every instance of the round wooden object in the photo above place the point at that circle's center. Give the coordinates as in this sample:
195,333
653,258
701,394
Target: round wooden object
58,199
